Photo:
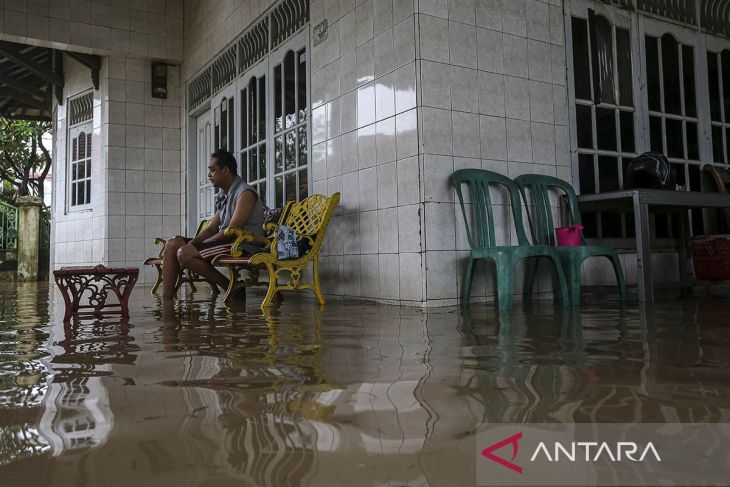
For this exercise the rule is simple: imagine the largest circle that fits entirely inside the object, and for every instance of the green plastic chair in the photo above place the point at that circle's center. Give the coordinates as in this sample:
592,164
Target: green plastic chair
482,236
543,231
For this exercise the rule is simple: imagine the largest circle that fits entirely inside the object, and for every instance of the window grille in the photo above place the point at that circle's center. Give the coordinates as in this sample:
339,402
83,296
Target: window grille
223,69
282,22
253,45
287,18
715,16
199,89
79,147
81,108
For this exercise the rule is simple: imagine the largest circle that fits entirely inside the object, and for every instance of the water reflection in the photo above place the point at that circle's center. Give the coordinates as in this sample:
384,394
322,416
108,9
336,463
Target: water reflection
195,391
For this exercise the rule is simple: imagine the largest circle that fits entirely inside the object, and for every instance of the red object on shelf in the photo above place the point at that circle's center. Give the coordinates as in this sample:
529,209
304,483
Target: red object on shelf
711,257
568,236
95,284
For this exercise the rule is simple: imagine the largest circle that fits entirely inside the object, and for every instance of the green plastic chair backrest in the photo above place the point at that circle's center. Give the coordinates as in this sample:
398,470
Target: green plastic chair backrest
539,186
478,182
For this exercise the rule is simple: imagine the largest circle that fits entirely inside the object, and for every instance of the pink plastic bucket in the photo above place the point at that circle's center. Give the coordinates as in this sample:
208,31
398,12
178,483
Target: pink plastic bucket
568,236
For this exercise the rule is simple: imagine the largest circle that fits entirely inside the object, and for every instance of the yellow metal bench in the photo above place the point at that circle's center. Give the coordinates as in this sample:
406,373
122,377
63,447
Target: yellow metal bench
309,219
185,275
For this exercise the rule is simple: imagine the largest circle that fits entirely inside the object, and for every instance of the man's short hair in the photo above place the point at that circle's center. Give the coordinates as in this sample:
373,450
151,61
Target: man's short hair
225,159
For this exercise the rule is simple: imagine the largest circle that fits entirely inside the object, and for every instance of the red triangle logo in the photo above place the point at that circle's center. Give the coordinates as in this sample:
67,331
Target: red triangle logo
513,440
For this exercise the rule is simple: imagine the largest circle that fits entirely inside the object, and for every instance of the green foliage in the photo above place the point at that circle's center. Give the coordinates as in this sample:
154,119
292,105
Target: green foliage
23,155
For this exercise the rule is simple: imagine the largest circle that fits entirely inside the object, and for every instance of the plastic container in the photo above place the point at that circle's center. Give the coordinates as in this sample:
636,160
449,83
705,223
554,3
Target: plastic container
568,236
711,257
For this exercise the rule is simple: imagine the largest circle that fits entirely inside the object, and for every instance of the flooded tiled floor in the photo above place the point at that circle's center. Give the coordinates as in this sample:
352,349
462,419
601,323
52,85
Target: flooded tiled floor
198,393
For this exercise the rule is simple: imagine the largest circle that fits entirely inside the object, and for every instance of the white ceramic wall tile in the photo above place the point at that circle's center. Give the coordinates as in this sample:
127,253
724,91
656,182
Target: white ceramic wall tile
411,276
369,276
493,138
366,147
387,185
404,83
406,133
538,21
382,15
541,102
465,129
436,172
434,38
462,45
385,140
436,130
514,18
388,230
368,183
441,274
436,84
519,141
404,42
366,105
539,59
515,56
489,51
543,143
436,8
364,22
410,233
369,232
408,181
440,225
492,94
489,14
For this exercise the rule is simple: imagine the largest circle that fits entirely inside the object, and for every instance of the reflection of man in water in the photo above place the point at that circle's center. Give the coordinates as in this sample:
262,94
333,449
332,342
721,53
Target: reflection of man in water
237,205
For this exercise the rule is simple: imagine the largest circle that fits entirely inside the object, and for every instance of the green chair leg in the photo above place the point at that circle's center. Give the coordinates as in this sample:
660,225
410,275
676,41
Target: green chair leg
530,274
620,280
466,288
505,279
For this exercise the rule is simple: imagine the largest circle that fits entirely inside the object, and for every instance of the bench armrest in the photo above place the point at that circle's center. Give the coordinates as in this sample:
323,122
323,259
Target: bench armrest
242,237
161,242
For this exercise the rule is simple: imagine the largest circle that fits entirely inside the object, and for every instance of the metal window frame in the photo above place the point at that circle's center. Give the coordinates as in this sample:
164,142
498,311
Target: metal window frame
80,114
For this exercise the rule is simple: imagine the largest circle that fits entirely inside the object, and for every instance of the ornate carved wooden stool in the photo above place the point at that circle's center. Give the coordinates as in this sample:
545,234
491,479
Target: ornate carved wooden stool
98,283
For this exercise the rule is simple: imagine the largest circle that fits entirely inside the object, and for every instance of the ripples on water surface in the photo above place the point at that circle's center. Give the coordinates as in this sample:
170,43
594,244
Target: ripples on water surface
197,393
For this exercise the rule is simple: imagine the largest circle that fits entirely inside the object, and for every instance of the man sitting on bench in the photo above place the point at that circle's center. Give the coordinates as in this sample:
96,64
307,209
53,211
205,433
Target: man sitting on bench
237,204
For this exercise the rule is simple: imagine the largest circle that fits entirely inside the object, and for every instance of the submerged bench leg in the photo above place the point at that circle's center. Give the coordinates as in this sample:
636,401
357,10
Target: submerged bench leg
158,281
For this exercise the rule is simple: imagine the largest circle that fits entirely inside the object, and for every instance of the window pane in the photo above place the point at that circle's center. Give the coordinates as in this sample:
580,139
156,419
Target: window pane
670,69
602,58
278,102
302,146
675,138
717,152
261,111
253,164
590,224
611,225
694,177
262,161
81,199
608,173
224,125
244,119
80,171
725,70
303,185
606,128
302,85
291,186
678,173
246,165
88,192
688,72
652,73
713,79
581,72
290,89
727,147
75,149
655,134
279,154
88,145
291,150
627,131
88,168
625,77
262,193
693,147
279,192
82,145
584,126
586,173
73,194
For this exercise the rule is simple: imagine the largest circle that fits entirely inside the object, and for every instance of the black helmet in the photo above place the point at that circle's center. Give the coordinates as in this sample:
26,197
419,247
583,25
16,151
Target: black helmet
649,170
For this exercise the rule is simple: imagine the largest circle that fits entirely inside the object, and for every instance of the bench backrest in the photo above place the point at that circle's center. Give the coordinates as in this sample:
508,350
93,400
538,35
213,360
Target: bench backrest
309,218
721,176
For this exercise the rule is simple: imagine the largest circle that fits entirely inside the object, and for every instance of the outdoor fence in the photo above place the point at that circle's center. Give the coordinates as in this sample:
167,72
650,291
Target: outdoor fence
8,228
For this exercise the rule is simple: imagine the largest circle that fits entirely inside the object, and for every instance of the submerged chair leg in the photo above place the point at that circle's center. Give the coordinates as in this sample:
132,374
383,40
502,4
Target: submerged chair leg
232,274
158,281
272,287
565,297
573,275
315,278
466,287
620,280
505,282
530,274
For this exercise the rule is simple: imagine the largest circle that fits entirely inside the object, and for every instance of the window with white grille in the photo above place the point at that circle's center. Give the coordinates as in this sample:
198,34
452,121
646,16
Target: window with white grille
80,143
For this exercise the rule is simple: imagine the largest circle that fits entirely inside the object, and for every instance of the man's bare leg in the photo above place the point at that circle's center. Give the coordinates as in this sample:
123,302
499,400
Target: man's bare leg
170,267
189,257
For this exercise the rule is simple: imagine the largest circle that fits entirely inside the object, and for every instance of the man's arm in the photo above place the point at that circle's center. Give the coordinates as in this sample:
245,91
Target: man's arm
243,209
208,231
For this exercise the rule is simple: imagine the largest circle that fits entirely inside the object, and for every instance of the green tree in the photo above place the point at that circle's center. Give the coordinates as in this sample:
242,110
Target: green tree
23,155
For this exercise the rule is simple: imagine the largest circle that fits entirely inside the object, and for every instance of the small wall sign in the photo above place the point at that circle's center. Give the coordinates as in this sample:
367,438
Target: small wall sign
320,33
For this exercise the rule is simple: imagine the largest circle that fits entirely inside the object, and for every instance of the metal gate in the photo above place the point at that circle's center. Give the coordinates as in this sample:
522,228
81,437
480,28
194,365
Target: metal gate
8,228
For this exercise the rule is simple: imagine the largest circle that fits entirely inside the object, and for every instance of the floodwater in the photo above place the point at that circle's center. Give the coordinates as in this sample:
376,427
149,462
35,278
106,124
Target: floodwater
201,394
